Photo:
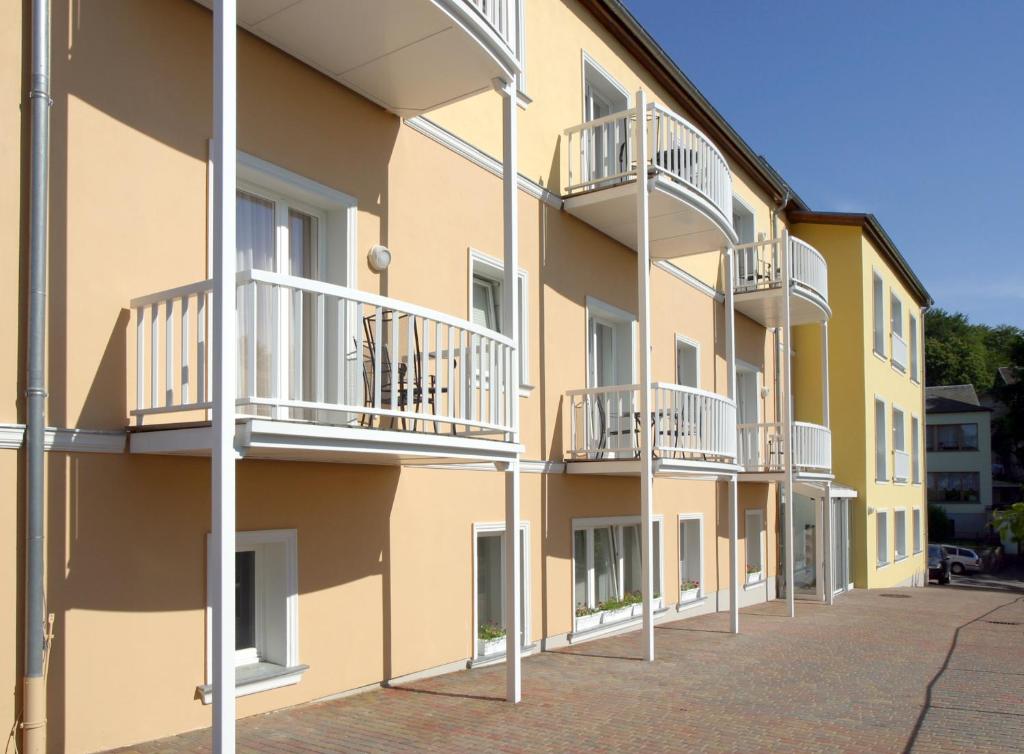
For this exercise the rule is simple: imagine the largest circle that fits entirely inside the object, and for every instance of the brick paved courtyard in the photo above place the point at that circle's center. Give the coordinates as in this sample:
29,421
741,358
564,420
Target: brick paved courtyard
939,671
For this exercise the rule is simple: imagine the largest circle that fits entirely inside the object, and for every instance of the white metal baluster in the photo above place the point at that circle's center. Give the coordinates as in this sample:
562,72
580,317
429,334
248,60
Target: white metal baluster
437,367
424,352
251,349
154,355
169,352
140,358
466,374
377,361
341,361
361,361
492,394
451,372
201,347
185,377
410,362
320,344
395,352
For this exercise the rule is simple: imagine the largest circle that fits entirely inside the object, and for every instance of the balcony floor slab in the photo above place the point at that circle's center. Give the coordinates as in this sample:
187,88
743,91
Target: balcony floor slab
663,467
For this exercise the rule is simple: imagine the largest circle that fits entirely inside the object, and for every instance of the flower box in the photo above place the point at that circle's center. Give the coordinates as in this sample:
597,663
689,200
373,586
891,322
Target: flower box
638,607
689,595
587,622
753,578
488,647
617,614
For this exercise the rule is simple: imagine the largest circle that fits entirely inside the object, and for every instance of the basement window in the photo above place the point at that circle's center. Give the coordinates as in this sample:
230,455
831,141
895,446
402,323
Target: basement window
266,613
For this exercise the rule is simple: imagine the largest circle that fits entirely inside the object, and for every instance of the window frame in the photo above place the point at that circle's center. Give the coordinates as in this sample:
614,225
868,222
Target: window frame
878,313
492,529
932,437
917,531
897,515
912,347
880,528
687,342
614,317
762,544
616,523
881,433
492,270
915,449
680,521
292,670
960,488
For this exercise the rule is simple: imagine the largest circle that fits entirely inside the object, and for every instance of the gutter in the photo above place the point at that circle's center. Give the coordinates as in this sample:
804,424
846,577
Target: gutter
36,626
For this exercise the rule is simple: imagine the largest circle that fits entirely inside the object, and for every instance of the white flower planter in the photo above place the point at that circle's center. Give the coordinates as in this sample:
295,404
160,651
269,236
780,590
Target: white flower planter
689,595
619,614
586,622
638,607
753,578
488,647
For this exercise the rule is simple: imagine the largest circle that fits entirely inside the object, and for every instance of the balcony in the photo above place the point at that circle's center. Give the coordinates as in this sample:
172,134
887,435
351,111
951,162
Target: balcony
900,466
691,185
325,373
692,431
899,352
409,56
762,451
758,283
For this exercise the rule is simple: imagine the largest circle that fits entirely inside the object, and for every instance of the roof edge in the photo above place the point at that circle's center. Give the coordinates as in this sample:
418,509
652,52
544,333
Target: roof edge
876,233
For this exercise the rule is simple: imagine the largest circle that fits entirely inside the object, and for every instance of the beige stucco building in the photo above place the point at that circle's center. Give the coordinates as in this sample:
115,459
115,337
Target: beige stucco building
497,266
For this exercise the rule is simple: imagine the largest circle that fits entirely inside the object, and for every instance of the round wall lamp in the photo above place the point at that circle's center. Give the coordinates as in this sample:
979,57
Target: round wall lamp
379,258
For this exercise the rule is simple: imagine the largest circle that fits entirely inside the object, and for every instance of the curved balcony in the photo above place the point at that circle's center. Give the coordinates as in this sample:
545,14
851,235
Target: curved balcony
325,372
691,430
409,56
762,451
758,283
691,184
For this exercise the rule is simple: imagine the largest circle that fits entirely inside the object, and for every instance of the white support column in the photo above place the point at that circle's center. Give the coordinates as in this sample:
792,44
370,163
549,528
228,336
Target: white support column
222,579
510,326
830,575
825,409
730,361
643,287
787,419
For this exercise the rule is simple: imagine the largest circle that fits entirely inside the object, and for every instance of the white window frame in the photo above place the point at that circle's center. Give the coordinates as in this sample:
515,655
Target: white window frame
494,529
257,540
762,544
881,432
913,346
606,81
915,449
917,530
883,545
878,313
699,518
589,524
899,541
899,431
492,269
896,327
682,340
597,309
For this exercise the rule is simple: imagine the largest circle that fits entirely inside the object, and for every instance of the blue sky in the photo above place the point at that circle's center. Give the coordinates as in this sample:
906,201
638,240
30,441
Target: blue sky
911,110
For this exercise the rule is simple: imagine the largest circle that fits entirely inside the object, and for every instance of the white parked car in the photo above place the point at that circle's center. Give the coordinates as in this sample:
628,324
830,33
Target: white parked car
962,559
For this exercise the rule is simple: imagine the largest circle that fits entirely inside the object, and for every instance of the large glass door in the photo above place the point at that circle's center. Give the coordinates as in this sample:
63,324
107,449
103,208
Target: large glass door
490,591
840,541
807,547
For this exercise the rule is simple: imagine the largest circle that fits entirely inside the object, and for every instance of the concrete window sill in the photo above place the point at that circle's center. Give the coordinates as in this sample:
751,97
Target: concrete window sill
260,676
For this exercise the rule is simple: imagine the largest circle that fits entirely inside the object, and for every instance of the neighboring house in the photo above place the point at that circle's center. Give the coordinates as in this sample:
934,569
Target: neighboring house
959,446
875,346
441,399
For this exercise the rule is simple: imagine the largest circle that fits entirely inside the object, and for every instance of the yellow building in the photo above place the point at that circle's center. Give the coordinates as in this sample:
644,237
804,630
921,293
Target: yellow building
875,347
329,314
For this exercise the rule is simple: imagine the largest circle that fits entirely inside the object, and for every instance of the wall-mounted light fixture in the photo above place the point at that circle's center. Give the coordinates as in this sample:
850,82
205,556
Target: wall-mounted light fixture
379,258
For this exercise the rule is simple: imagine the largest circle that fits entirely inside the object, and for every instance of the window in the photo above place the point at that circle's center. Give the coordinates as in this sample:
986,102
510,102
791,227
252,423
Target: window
901,460
880,447
898,430
914,375
900,532
917,530
609,345
954,486
603,96
691,553
896,314
952,437
489,576
266,611
486,277
878,303
882,537
746,271
754,542
915,449
607,560
687,362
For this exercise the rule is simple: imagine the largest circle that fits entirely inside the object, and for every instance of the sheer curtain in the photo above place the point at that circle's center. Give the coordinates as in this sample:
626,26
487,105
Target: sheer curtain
254,217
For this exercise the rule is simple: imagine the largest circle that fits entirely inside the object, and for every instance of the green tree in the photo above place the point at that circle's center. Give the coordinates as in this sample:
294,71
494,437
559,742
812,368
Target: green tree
940,527
958,352
1010,522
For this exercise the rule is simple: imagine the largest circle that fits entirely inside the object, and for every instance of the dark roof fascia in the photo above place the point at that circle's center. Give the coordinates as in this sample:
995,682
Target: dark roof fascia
618,19
952,406
877,235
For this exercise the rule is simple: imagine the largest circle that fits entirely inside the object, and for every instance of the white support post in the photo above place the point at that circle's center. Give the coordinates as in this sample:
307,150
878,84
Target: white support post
730,361
223,451
787,420
643,286
825,409
510,326
826,515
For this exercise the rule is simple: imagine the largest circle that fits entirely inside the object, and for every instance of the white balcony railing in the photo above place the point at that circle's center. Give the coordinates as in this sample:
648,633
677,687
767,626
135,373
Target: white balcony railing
499,15
758,267
901,466
899,352
316,352
761,447
685,423
601,152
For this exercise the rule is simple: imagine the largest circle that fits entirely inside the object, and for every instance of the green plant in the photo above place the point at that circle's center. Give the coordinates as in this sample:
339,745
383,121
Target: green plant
940,527
614,604
689,584
490,631
1010,522
633,598
583,610
753,569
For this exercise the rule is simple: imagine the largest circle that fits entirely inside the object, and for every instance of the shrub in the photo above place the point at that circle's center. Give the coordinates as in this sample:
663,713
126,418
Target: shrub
489,631
689,584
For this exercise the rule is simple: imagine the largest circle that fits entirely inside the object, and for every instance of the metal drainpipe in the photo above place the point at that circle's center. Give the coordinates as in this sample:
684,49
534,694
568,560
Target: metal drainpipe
34,702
